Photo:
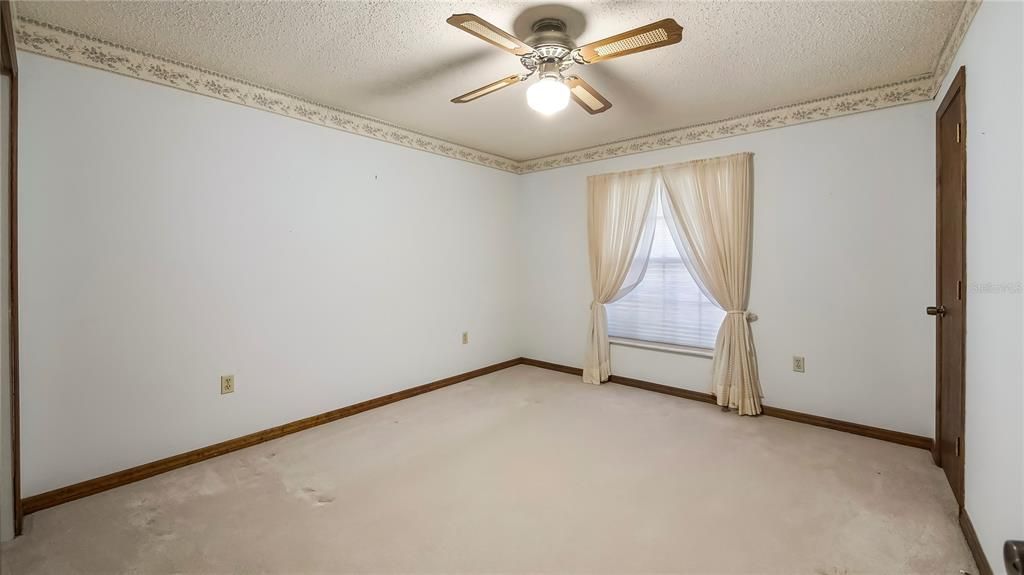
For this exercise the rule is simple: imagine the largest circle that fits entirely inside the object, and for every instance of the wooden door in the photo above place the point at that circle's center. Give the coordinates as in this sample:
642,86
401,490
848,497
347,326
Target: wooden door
951,285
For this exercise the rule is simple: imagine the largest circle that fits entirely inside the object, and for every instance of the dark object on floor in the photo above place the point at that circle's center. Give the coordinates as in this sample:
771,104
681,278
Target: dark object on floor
1013,555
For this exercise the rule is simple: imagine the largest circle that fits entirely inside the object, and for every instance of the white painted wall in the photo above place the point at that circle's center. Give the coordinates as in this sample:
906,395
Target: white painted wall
167,239
843,267
6,482
993,52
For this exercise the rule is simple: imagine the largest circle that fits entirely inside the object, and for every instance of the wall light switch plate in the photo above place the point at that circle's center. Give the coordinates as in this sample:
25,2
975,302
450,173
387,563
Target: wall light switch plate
227,384
798,363
465,337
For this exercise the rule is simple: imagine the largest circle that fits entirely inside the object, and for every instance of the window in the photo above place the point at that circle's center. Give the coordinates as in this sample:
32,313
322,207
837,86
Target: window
667,306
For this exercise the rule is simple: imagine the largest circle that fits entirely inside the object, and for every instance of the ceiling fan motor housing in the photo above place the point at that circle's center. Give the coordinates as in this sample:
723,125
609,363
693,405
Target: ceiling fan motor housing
551,48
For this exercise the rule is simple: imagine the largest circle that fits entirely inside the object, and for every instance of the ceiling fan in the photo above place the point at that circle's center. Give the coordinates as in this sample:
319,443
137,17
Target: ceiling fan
550,52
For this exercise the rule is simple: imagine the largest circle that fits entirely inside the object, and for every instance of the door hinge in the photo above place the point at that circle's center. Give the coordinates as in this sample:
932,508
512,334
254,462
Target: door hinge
958,447
959,290
958,132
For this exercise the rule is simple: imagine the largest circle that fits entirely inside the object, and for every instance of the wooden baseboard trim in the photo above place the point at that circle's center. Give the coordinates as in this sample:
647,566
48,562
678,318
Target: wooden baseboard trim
911,440
551,366
974,544
900,437
117,479
666,389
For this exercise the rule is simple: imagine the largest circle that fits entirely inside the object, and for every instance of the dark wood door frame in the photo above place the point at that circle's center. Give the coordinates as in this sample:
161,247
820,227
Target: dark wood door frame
9,53
958,88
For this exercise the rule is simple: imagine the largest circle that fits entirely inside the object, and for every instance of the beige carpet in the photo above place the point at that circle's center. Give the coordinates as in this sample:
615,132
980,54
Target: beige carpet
524,470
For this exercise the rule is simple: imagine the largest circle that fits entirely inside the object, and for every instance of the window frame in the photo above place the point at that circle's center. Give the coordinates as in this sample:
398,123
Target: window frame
663,347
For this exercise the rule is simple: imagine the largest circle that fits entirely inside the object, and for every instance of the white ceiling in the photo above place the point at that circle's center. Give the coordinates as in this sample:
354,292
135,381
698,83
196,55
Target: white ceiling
400,62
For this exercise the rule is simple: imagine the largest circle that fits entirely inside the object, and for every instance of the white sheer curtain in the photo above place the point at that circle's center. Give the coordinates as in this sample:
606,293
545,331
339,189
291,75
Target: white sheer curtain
712,217
620,213
666,306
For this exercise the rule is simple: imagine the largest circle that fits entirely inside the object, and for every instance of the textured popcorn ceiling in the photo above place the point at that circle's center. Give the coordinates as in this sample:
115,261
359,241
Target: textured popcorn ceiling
400,62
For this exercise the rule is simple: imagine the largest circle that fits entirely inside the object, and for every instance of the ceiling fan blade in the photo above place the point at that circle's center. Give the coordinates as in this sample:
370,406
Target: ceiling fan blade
661,33
488,89
586,96
490,33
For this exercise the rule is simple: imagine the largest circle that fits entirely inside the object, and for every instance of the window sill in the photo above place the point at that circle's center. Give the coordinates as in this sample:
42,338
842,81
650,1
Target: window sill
664,347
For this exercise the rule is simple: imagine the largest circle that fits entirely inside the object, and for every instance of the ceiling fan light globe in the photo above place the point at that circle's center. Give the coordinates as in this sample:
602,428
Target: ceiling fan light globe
548,96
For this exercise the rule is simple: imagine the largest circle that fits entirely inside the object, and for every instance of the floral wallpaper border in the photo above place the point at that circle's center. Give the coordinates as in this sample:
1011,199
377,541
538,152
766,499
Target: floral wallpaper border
907,92
57,42
956,37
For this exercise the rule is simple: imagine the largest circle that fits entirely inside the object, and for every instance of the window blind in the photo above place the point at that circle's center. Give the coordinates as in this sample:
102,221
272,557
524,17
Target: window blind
667,306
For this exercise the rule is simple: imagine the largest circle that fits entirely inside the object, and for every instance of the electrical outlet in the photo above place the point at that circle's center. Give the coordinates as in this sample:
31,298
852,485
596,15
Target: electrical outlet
798,363
227,384
465,337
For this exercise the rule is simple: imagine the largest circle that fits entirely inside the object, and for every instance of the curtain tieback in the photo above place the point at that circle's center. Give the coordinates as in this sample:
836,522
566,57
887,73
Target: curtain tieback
747,315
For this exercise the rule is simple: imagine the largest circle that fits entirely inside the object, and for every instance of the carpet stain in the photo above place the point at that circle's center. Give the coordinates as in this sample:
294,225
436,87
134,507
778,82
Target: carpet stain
315,497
